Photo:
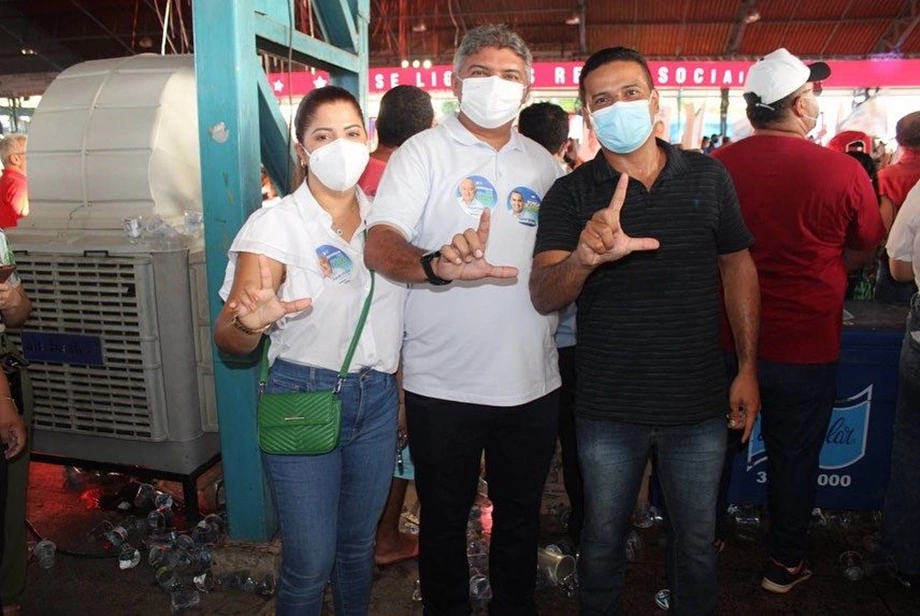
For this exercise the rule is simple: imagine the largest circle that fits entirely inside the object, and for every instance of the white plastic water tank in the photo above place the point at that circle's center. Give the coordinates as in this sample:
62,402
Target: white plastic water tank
115,138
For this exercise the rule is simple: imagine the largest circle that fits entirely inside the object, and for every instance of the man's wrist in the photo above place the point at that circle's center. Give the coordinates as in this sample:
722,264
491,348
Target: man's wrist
429,262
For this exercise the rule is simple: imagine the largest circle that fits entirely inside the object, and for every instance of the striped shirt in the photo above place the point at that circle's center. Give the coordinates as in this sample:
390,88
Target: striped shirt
648,348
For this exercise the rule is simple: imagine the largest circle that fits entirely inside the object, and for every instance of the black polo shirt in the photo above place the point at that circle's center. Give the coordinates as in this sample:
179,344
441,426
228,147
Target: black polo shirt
648,347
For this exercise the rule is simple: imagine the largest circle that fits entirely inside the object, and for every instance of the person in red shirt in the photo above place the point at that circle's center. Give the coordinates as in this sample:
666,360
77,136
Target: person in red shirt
814,215
894,182
404,111
14,192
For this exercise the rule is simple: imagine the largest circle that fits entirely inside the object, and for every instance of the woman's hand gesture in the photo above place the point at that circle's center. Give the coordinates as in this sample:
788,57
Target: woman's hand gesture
258,306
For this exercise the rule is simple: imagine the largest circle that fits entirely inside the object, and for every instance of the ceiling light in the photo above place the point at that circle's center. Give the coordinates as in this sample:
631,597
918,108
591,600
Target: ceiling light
416,64
752,15
426,64
145,43
404,64
420,27
574,20
28,51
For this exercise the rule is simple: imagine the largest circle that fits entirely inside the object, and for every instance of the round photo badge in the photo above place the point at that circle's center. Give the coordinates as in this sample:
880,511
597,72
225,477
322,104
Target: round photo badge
524,205
475,193
334,263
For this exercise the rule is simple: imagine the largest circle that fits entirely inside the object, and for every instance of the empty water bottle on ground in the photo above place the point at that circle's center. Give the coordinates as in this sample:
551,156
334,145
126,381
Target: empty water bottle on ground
851,565
146,494
44,552
115,537
480,590
128,556
184,598
417,592
555,565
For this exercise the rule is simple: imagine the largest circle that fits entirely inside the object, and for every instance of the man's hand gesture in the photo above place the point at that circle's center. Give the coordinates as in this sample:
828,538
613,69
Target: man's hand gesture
465,257
603,239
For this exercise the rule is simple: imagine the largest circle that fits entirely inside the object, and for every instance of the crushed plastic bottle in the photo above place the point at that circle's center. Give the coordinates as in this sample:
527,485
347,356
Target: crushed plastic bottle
163,500
128,557
851,565
265,585
646,516
204,582
146,495
480,590
115,537
417,591
44,552
184,598
477,556
160,519
167,579
747,515
633,545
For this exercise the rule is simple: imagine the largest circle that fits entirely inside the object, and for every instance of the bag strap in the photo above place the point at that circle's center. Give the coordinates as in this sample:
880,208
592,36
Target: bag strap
343,372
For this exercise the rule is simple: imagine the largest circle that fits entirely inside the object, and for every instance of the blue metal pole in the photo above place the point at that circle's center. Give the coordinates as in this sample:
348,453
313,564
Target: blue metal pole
225,62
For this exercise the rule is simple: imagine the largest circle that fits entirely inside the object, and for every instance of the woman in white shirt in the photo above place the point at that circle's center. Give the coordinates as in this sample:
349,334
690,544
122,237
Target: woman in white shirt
901,515
296,273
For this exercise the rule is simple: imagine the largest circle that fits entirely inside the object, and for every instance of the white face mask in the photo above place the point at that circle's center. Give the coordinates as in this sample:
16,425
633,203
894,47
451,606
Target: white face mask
490,101
339,164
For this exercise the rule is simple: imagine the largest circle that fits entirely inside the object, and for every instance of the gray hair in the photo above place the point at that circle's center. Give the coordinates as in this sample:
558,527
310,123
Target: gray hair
499,36
14,143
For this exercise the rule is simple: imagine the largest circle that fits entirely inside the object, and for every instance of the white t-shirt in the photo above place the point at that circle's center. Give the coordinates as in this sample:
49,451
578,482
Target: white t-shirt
322,266
479,341
904,238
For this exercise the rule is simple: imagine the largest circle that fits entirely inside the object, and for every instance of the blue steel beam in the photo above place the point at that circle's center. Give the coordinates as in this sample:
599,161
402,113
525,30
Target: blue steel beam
225,61
277,150
237,117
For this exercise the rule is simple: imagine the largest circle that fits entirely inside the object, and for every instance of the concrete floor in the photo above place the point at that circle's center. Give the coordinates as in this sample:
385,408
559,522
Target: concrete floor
89,584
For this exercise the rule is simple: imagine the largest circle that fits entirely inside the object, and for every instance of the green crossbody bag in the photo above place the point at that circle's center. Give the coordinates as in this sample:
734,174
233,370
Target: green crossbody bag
304,423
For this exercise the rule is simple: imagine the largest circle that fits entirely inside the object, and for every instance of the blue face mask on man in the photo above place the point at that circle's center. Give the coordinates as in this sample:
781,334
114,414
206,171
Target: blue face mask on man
623,126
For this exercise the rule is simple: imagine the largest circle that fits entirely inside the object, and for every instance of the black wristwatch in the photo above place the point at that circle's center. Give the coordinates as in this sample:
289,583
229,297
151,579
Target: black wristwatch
433,278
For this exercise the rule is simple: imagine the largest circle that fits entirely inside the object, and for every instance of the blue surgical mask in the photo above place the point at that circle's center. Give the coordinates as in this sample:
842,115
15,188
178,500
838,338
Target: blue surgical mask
623,126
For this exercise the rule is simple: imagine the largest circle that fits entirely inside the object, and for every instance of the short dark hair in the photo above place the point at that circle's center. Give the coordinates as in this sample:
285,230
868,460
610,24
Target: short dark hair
907,130
868,163
608,55
761,115
404,111
545,123
309,104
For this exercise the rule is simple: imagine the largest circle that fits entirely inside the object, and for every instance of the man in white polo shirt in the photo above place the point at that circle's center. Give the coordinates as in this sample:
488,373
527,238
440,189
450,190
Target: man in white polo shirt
479,363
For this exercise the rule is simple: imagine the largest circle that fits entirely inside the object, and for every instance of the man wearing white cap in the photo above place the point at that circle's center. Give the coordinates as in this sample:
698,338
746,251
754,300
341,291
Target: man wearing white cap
814,215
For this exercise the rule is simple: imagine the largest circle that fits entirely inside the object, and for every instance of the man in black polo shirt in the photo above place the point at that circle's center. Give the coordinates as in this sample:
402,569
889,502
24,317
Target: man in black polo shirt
651,377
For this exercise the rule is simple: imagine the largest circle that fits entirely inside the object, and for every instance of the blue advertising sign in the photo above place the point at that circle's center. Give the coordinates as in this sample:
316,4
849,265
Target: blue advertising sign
61,348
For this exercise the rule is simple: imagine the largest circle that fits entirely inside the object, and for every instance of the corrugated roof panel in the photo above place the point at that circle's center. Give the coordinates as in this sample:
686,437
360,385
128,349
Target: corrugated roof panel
876,8
705,39
854,36
609,13
660,40
600,37
661,12
912,44
714,10
797,10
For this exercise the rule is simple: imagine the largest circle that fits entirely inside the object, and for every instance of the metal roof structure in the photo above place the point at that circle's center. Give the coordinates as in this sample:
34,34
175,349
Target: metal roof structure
38,38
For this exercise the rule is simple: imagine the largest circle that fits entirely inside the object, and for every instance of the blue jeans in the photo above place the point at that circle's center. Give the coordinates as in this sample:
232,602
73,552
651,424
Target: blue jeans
328,505
689,461
901,520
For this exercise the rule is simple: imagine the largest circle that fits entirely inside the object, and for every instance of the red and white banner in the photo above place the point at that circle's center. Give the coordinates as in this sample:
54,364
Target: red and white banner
730,74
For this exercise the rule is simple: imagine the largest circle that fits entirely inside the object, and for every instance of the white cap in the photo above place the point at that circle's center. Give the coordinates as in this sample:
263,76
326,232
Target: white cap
780,73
